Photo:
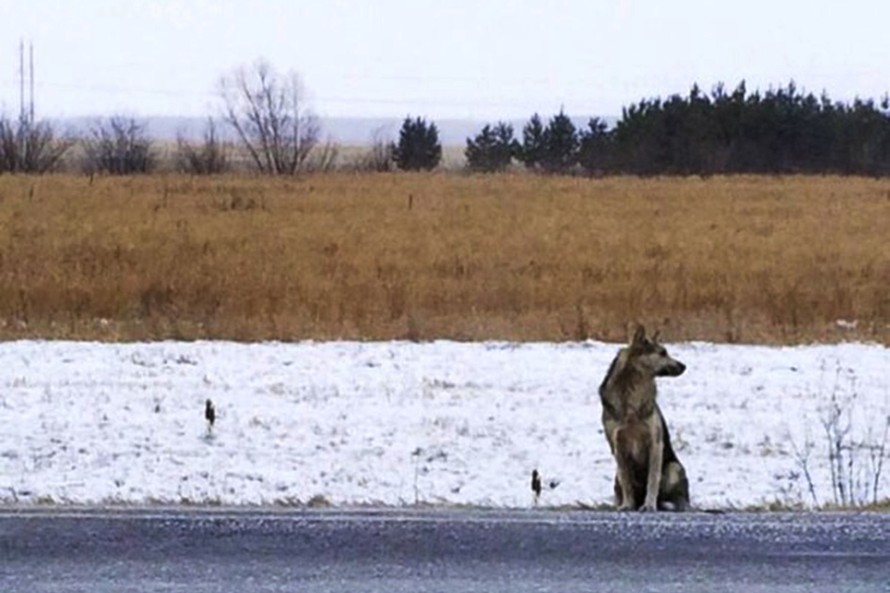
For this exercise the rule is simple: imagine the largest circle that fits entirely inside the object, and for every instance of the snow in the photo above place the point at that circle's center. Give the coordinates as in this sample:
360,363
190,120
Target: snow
398,423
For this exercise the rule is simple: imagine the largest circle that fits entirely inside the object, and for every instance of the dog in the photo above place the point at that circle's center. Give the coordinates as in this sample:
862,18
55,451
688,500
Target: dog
649,475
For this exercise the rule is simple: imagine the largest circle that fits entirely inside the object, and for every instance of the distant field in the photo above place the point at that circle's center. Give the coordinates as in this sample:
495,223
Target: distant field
424,256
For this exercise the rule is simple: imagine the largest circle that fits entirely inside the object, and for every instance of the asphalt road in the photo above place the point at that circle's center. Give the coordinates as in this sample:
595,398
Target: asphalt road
436,550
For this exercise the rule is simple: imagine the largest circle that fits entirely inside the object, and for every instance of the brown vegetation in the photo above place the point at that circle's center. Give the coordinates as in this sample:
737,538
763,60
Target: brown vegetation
423,256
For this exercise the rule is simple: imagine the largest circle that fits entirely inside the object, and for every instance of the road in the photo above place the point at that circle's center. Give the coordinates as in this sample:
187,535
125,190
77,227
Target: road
451,551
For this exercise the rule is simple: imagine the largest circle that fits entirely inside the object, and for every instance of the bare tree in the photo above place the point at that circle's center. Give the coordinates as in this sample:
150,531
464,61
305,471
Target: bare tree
379,157
30,147
209,157
269,113
324,159
119,146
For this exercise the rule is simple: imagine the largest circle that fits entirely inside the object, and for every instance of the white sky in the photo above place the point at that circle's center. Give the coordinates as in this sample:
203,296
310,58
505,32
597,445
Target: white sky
480,59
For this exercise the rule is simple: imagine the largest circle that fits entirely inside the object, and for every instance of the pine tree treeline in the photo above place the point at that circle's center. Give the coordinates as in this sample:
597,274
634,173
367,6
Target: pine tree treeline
779,131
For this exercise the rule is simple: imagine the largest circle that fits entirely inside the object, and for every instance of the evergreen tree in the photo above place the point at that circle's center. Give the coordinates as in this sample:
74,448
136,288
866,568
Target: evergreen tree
594,148
418,148
492,149
533,143
560,144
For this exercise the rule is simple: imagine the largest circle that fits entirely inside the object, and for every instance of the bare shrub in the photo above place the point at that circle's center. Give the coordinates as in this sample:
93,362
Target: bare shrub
119,146
855,446
207,158
269,114
379,158
855,463
324,158
29,147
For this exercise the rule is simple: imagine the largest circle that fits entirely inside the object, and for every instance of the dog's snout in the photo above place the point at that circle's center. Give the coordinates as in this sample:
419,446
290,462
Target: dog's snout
673,369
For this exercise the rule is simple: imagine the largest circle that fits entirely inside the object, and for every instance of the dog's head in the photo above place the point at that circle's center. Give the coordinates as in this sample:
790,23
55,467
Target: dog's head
647,355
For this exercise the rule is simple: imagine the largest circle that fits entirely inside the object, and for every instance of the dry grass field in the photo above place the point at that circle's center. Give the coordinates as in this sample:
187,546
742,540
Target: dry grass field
424,256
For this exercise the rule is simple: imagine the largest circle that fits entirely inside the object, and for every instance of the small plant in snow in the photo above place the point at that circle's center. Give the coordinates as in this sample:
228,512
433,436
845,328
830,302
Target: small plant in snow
855,454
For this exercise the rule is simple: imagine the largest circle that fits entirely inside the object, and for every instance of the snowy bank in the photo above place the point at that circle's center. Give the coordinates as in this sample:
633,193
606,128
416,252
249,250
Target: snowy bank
398,423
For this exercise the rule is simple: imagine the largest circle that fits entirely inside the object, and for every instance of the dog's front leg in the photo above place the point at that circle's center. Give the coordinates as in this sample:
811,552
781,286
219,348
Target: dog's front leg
653,484
626,502
623,457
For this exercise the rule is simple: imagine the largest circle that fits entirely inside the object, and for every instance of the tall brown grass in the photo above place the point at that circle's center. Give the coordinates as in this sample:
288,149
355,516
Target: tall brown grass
737,259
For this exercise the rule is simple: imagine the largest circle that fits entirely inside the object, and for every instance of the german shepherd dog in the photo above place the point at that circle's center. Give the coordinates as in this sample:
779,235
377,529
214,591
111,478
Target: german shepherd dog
649,475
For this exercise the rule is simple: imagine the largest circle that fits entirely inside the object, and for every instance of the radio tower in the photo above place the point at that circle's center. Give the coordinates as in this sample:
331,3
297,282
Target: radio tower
26,116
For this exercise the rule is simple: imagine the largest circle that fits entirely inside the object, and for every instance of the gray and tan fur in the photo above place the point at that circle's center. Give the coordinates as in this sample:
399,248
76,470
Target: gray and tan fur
649,474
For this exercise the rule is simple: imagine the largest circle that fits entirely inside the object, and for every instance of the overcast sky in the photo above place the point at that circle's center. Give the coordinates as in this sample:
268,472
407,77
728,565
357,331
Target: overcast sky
480,59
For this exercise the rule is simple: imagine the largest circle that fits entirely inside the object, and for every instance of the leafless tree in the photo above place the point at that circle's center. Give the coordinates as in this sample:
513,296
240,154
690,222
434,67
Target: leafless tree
119,146
379,157
324,159
209,157
268,112
30,147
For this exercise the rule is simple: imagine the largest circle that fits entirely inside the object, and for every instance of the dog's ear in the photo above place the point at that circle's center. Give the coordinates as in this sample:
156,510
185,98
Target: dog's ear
639,337
655,336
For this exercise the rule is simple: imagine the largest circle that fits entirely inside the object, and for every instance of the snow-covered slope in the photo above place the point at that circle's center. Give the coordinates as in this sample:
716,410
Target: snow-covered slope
398,423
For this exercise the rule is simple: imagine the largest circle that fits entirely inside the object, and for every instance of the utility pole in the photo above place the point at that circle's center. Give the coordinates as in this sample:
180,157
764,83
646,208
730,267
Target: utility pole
21,80
31,60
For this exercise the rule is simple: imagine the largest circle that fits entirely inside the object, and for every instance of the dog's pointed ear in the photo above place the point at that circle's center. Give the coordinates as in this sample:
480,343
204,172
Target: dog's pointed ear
639,337
655,336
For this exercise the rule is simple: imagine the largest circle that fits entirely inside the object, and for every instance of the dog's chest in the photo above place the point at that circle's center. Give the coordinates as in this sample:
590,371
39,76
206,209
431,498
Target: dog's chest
638,405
